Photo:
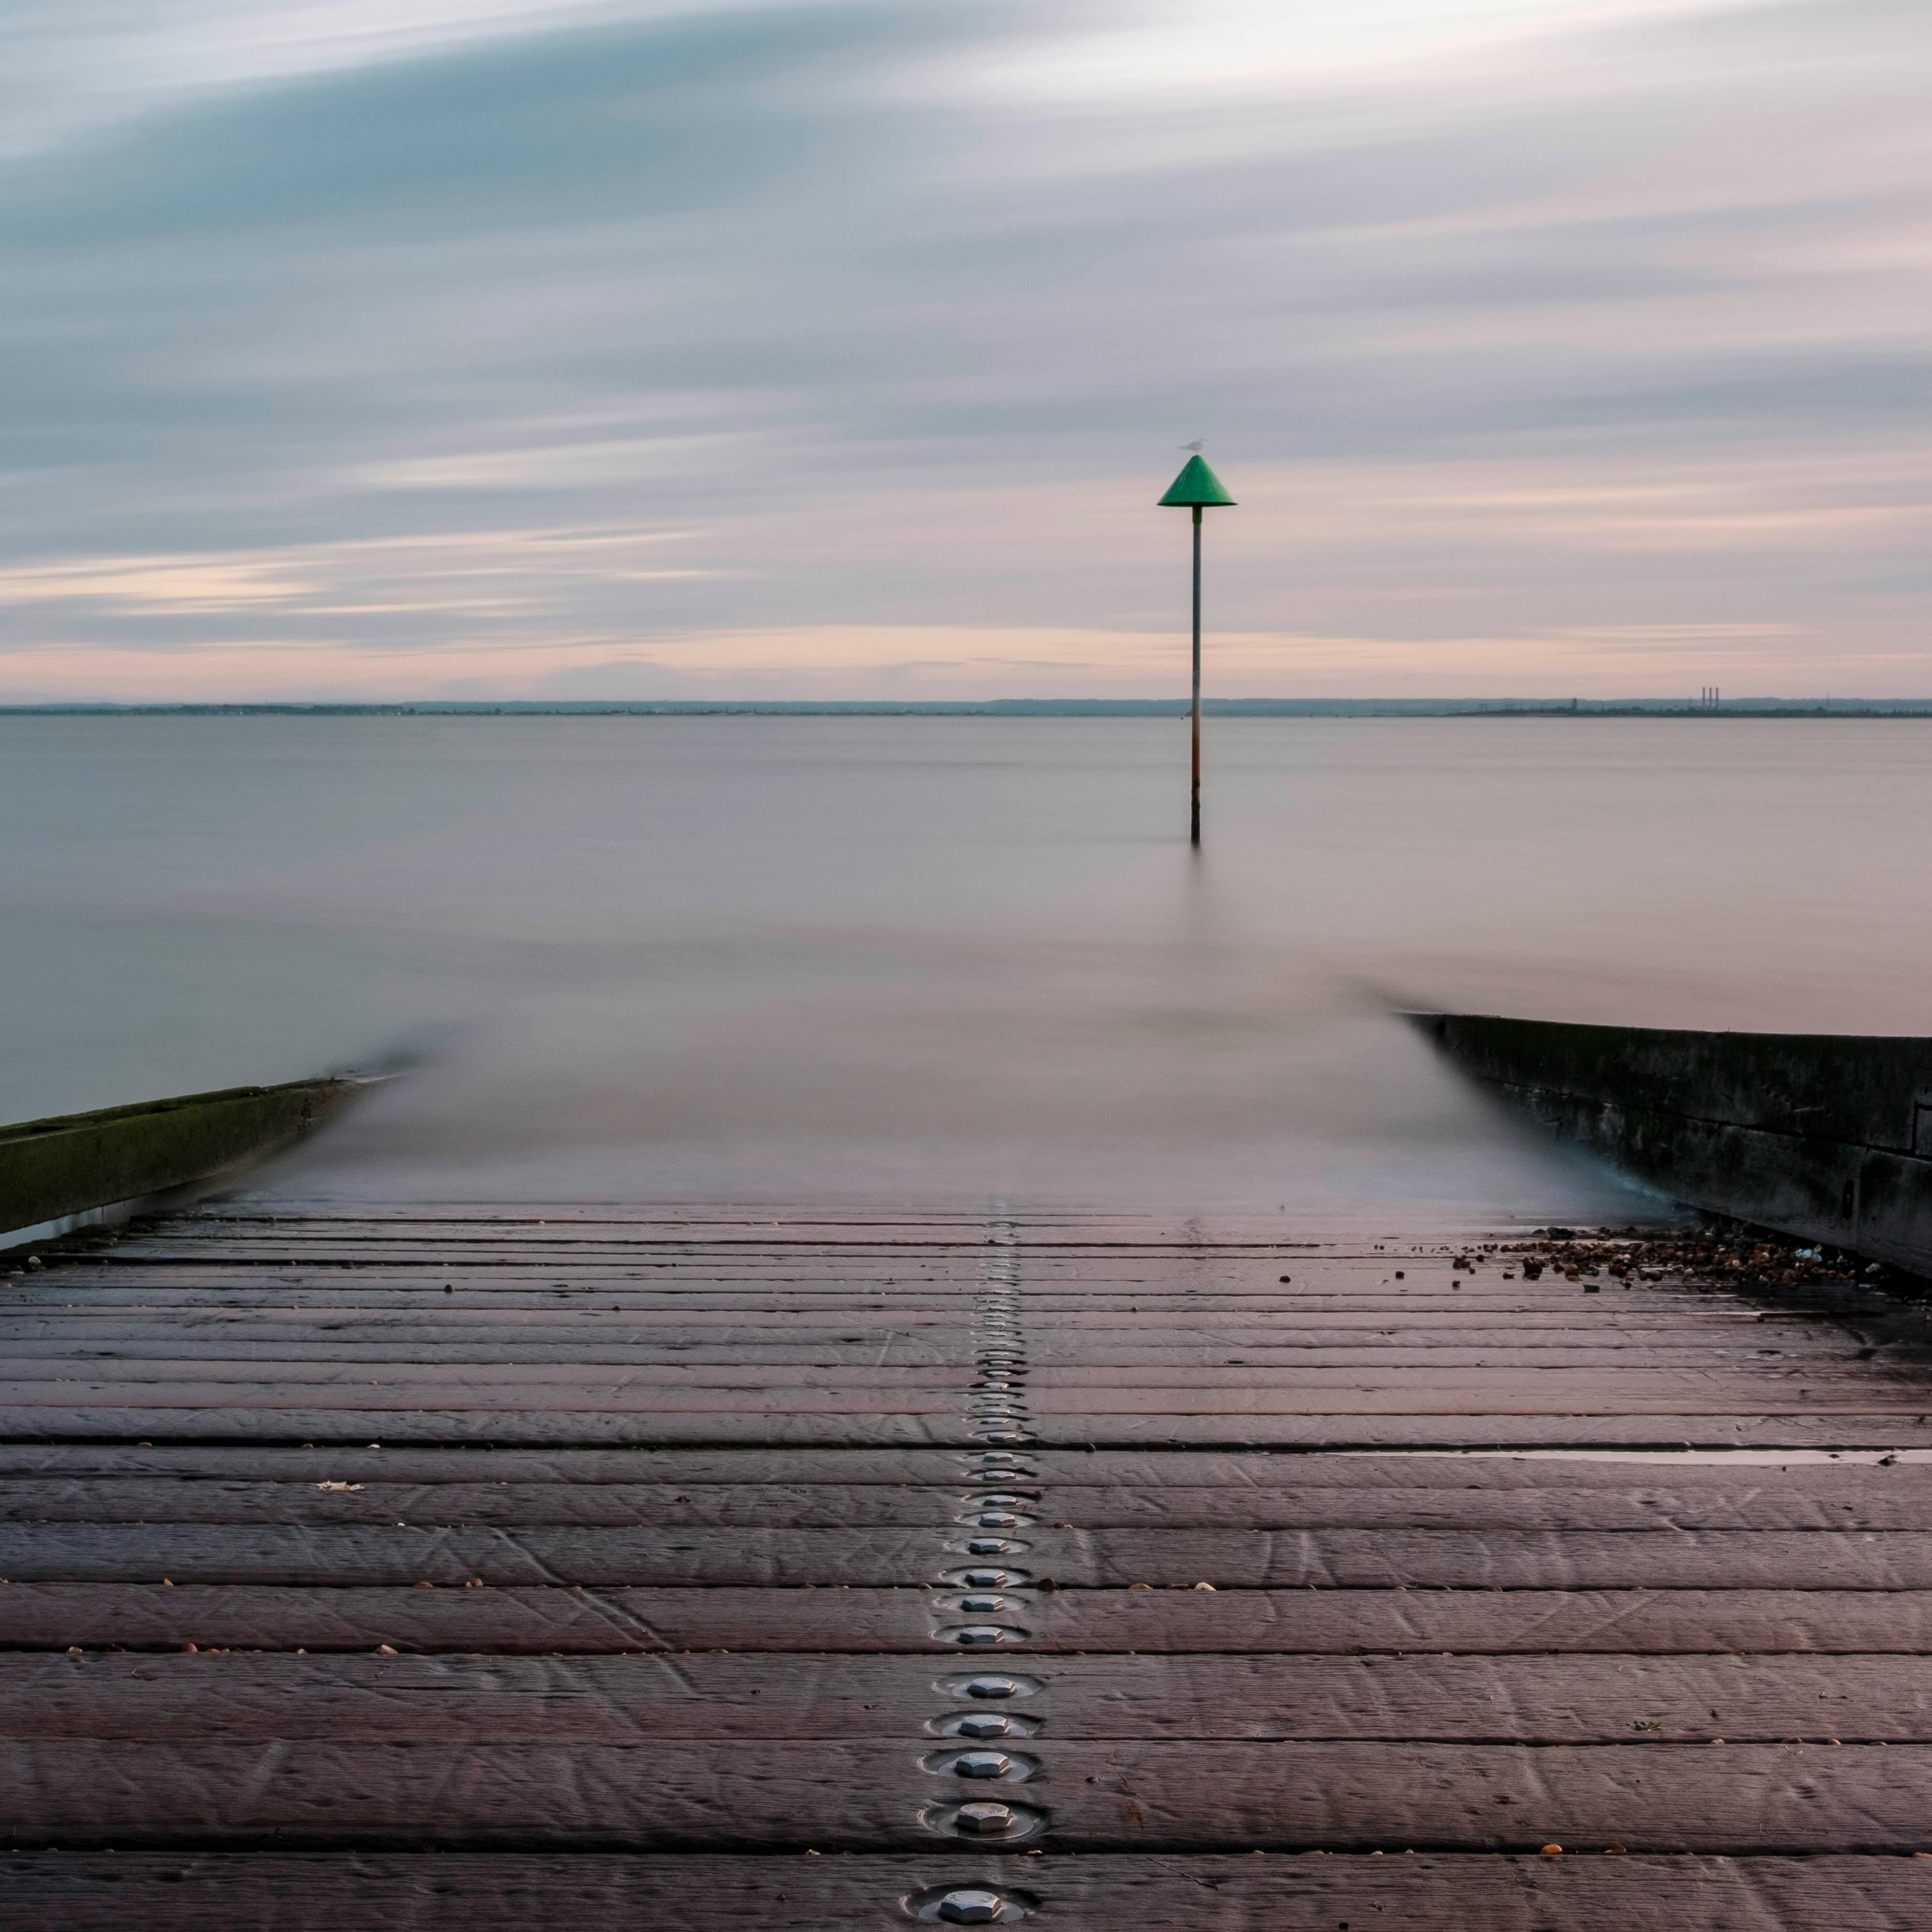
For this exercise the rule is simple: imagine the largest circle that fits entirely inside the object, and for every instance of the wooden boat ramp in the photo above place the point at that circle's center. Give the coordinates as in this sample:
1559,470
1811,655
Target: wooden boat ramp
586,1568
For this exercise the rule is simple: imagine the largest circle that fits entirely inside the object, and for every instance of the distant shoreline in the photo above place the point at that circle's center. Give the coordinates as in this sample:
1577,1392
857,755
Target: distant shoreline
1019,707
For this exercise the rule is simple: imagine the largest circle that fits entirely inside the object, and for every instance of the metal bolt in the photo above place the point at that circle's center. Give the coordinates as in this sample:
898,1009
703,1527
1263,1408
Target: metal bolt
967,1905
982,1764
997,1520
982,1820
987,1545
985,1579
975,1633
990,1687
996,1725
981,1606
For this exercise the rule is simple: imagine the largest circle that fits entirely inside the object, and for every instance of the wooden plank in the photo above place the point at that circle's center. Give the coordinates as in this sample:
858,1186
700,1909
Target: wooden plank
482,1392
944,1359
1341,1794
554,1618
861,1376
945,1507
1129,1471
1229,1412
362,1333
838,1466
326,1555
1874,1429
574,1427
371,1293
201,1891
620,1699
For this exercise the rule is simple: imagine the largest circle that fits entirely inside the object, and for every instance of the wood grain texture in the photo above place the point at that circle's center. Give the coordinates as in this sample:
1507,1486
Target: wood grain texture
1341,1795
661,1549
335,1554
1103,1471
1874,1427
1157,1892
553,1619
630,1699
1758,1506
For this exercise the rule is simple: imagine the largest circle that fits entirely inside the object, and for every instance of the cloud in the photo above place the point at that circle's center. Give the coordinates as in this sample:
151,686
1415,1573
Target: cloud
636,329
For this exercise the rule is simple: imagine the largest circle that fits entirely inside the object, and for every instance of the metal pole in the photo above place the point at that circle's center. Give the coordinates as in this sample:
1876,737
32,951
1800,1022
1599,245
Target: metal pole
1194,810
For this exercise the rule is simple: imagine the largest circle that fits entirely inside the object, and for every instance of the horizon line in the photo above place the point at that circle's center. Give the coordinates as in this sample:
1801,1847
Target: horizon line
1559,706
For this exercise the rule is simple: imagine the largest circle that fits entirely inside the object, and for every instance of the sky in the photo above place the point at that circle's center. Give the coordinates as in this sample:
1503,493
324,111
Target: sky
467,349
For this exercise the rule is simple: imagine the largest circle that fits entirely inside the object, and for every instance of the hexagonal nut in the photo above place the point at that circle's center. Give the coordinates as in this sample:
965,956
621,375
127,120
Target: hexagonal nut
984,1686
979,1636
988,1580
980,1763
981,1820
988,1820
994,1724
968,1905
971,1902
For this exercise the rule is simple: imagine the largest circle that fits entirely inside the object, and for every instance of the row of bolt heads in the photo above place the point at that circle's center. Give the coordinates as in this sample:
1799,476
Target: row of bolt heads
980,1905
996,1409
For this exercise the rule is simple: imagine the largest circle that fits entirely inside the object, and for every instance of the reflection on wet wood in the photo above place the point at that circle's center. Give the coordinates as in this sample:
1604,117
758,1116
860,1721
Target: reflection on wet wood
603,1549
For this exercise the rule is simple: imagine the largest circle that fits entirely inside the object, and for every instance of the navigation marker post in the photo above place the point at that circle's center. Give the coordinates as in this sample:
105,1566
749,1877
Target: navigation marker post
1196,488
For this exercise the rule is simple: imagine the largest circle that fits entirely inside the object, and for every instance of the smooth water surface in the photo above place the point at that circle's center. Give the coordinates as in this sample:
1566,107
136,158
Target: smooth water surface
930,959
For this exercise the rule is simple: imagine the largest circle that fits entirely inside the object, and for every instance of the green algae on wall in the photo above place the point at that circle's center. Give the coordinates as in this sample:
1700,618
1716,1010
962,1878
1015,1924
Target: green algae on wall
76,1162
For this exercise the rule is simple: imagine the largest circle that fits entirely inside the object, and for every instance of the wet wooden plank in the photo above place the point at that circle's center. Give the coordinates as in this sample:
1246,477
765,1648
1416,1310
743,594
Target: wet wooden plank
1203,1372
862,1375
1156,1892
621,1700
554,1618
747,1411
482,1394
355,1427
1341,1794
1873,1428
1854,1478
947,1361
944,1508
323,1555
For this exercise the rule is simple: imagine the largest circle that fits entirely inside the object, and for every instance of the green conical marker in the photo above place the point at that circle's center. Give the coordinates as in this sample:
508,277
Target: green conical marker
1196,488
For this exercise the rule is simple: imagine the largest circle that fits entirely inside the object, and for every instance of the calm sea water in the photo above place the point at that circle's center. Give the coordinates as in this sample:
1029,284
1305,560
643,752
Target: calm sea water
930,960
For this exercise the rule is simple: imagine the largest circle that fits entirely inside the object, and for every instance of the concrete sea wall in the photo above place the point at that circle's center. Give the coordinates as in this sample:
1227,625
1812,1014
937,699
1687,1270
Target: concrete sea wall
1824,1135
54,1172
